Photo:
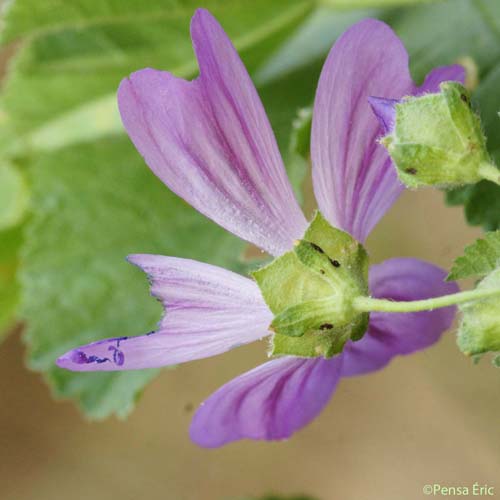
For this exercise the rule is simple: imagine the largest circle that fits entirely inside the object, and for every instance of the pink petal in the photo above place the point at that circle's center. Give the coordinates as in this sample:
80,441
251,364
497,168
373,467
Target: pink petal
354,180
269,402
210,141
208,311
385,111
455,73
391,334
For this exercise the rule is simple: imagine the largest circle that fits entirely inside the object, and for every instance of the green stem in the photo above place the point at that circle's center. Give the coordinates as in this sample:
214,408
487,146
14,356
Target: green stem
489,172
368,304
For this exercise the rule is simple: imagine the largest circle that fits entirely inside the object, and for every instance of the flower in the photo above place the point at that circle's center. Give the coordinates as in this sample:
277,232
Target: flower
209,141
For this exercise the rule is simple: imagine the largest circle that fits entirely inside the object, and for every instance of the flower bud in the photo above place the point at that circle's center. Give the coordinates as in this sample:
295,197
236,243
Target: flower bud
435,139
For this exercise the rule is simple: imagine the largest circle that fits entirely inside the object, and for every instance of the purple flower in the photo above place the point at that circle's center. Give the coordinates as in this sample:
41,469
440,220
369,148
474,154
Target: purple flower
209,140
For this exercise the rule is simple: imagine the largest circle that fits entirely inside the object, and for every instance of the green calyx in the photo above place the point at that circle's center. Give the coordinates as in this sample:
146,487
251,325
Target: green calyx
311,290
437,140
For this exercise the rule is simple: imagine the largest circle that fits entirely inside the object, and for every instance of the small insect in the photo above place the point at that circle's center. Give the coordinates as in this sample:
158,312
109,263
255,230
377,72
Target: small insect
335,263
411,171
464,98
326,326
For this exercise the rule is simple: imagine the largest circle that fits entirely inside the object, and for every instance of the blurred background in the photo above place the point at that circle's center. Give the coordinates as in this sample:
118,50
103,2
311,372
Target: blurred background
75,199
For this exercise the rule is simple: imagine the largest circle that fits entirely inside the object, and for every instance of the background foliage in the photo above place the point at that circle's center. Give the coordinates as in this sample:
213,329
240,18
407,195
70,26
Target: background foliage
76,198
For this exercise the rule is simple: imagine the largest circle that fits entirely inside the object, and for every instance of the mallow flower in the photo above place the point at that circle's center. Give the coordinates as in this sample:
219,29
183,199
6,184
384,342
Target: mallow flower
209,140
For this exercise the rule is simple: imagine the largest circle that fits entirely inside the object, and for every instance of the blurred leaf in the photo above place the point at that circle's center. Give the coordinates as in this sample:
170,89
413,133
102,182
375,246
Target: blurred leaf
479,258
283,98
64,79
35,18
93,205
299,146
311,41
60,91
10,243
301,133
481,204
14,195
446,32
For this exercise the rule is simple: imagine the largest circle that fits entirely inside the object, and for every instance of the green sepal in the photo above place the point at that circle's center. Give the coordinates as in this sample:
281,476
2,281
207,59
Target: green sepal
437,140
310,291
479,331
320,342
307,316
285,282
342,249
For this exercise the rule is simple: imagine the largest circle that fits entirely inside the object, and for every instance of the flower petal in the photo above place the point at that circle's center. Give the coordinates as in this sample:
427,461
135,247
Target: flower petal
208,311
385,111
391,334
354,181
455,73
269,402
209,141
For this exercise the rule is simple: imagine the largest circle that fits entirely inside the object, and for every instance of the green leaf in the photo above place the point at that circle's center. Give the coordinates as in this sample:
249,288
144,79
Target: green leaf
60,92
92,206
479,259
300,142
14,195
10,243
311,41
282,98
479,330
481,204
78,52
298,149
446,32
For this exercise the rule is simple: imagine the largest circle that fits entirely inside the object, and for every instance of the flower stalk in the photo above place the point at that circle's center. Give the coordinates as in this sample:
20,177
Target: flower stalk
369,304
